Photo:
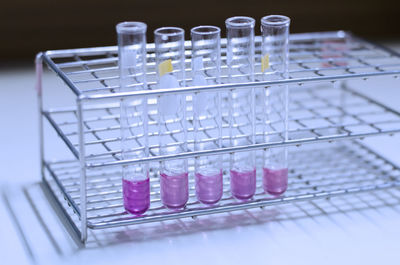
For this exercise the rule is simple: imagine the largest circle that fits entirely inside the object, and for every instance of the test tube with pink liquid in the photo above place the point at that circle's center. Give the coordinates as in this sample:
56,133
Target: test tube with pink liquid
133,115
275,66
240,61
206,67
172,133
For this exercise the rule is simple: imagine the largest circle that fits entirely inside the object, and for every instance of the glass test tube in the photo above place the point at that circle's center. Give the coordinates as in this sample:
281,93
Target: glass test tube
206,67
170,67
240,61
275,65
133,119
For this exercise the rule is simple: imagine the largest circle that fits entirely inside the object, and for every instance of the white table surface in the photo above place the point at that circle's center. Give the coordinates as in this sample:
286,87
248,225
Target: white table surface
359,229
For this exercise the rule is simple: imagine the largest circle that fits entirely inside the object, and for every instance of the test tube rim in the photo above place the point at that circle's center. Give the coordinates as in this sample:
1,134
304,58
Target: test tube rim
216,29
178,31
250,22
131,27
284,21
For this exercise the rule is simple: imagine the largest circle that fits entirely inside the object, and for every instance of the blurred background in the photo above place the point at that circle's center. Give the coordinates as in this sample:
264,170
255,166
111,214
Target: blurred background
28,27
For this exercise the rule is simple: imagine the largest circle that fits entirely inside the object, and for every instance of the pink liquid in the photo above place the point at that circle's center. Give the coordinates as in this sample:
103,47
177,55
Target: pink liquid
275,181
209,187
174,190
136,195
243,184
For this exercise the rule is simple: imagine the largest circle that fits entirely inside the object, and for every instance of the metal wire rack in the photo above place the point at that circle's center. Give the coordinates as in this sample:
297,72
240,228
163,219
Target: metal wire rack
322,109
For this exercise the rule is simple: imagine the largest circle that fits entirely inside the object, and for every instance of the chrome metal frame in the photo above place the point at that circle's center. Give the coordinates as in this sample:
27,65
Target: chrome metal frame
103,61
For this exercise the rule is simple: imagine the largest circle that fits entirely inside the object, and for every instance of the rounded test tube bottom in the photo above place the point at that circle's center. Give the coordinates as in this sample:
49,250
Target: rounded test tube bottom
275,181
209,187
136,194
174,190
243,184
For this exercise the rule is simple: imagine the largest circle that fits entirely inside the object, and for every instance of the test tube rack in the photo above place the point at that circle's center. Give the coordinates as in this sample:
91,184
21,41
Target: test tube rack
82,176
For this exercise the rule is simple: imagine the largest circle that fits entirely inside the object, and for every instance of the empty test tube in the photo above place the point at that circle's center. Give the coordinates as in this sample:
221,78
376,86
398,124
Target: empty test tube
133,119
170,67
274,65
206,67
240,61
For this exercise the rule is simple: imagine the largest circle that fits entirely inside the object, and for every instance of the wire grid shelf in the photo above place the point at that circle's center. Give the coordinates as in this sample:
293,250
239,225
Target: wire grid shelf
319,111
316,171
313,56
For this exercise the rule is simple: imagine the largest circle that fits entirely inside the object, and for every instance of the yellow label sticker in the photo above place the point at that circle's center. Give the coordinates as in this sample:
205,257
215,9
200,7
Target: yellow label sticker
165,67
264,62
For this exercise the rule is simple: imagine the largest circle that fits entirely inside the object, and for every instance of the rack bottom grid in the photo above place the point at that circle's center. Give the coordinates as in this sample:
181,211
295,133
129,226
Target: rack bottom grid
316,171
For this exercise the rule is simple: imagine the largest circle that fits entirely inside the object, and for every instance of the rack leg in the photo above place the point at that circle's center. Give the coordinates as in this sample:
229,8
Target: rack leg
61,212
82,161
38,87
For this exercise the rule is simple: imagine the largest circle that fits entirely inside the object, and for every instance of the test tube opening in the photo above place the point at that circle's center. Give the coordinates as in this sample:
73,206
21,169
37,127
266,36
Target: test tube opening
131,27
169,31
240,21
205,30
275,20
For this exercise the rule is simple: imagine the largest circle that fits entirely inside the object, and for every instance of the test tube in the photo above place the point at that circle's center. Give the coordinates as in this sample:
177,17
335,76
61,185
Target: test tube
170,67
274,65
206,67
240,61
133,119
